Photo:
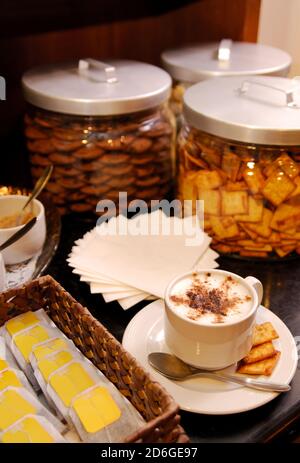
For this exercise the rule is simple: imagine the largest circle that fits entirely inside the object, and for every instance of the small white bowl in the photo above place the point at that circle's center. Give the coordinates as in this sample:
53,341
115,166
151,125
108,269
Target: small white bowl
31,243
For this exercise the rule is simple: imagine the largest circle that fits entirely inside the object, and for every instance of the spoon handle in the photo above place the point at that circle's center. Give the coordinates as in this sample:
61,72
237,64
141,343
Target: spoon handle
248,382
16,236
39,185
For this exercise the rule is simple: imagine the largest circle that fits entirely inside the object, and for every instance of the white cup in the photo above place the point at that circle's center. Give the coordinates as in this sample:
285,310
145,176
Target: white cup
211,346
31,243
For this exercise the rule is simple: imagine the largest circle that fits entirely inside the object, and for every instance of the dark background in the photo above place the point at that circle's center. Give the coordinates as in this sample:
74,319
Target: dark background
37,32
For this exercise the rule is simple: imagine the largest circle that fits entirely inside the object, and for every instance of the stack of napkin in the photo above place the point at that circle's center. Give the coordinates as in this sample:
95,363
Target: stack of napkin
131,260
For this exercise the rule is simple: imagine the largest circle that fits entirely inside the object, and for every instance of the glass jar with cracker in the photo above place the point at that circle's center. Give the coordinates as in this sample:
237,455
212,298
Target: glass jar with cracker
239,152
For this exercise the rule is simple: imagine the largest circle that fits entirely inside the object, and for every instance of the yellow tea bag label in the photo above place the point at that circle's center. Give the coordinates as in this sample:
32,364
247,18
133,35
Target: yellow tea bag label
13,407
21,322
96,409
25,341
49,347
70,382
3,364
9,378
28,431
49,365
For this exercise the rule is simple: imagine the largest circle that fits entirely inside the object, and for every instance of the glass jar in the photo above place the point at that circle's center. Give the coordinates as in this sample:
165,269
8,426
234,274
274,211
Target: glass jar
192,64
240,154
98,155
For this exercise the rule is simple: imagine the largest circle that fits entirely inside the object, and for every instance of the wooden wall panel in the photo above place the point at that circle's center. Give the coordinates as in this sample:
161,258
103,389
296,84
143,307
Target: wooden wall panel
141,38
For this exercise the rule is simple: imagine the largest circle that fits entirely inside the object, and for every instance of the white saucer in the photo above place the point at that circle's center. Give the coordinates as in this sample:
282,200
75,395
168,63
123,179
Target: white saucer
144,334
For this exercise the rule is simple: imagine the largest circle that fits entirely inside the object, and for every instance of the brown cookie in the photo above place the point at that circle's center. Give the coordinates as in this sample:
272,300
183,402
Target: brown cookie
148,181
76,196
144,171
34,133
41,146
82,207
98,179
95,190
36,172
47,123
66,146
140,145
68,135
71,183
142,159
38,160
115,158
91,166
148,193
123,169
116,144
61,159
88,153
54,187
66,171
121,182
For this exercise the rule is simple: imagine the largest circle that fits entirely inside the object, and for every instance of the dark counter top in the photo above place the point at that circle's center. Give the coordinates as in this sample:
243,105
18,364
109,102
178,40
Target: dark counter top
281,280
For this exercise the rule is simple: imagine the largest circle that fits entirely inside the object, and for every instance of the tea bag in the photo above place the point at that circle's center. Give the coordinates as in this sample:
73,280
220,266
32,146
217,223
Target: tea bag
87,399
22,343
48,365
31,429
15,403
50,346
25,320
15,378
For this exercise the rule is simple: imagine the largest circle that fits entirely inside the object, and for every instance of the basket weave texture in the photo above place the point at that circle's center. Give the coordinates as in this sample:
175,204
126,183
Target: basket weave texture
97,344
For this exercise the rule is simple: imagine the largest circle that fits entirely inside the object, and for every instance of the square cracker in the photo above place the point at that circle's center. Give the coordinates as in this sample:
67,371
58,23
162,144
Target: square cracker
212,201
278,187
264,333
234,202
260,352
208,180
263,367
255,211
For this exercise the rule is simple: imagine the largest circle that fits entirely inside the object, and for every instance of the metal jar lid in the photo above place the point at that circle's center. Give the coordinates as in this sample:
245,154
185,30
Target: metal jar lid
263,110
226,58
93,88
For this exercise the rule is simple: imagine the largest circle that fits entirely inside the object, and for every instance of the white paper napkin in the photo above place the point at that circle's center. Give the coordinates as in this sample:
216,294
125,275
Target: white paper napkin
123,264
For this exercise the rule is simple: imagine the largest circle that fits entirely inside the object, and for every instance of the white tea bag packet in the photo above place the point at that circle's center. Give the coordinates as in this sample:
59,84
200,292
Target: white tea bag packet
15,403
31,429
101,414
24,320
22,343
15,378
47,365
88,400
50,346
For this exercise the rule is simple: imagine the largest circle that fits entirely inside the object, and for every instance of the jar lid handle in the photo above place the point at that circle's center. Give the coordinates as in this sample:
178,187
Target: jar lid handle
289,94
224,50
85,65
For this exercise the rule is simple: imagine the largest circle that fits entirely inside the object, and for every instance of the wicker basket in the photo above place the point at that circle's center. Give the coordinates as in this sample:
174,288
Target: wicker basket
149,397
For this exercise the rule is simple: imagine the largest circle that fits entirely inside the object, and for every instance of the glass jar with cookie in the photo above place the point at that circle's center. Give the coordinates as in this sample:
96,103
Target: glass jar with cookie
106,128
239,152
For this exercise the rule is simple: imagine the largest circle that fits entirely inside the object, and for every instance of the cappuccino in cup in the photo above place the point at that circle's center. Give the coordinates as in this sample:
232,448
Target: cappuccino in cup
210,298
209,317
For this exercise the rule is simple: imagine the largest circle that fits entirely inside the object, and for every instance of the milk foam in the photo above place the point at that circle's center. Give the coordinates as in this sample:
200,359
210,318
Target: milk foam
238,298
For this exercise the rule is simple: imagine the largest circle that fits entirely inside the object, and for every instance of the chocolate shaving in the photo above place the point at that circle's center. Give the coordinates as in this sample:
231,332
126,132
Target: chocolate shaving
205,300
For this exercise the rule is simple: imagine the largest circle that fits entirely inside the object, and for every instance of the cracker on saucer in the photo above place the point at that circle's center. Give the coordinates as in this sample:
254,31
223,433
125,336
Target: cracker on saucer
264,367
264,333
260,352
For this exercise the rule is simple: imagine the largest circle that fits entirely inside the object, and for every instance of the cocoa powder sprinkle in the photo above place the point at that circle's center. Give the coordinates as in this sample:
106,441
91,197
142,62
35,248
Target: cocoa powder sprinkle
202,299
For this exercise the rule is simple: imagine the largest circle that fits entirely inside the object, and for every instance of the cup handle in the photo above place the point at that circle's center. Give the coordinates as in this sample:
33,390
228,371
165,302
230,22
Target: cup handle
258,287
